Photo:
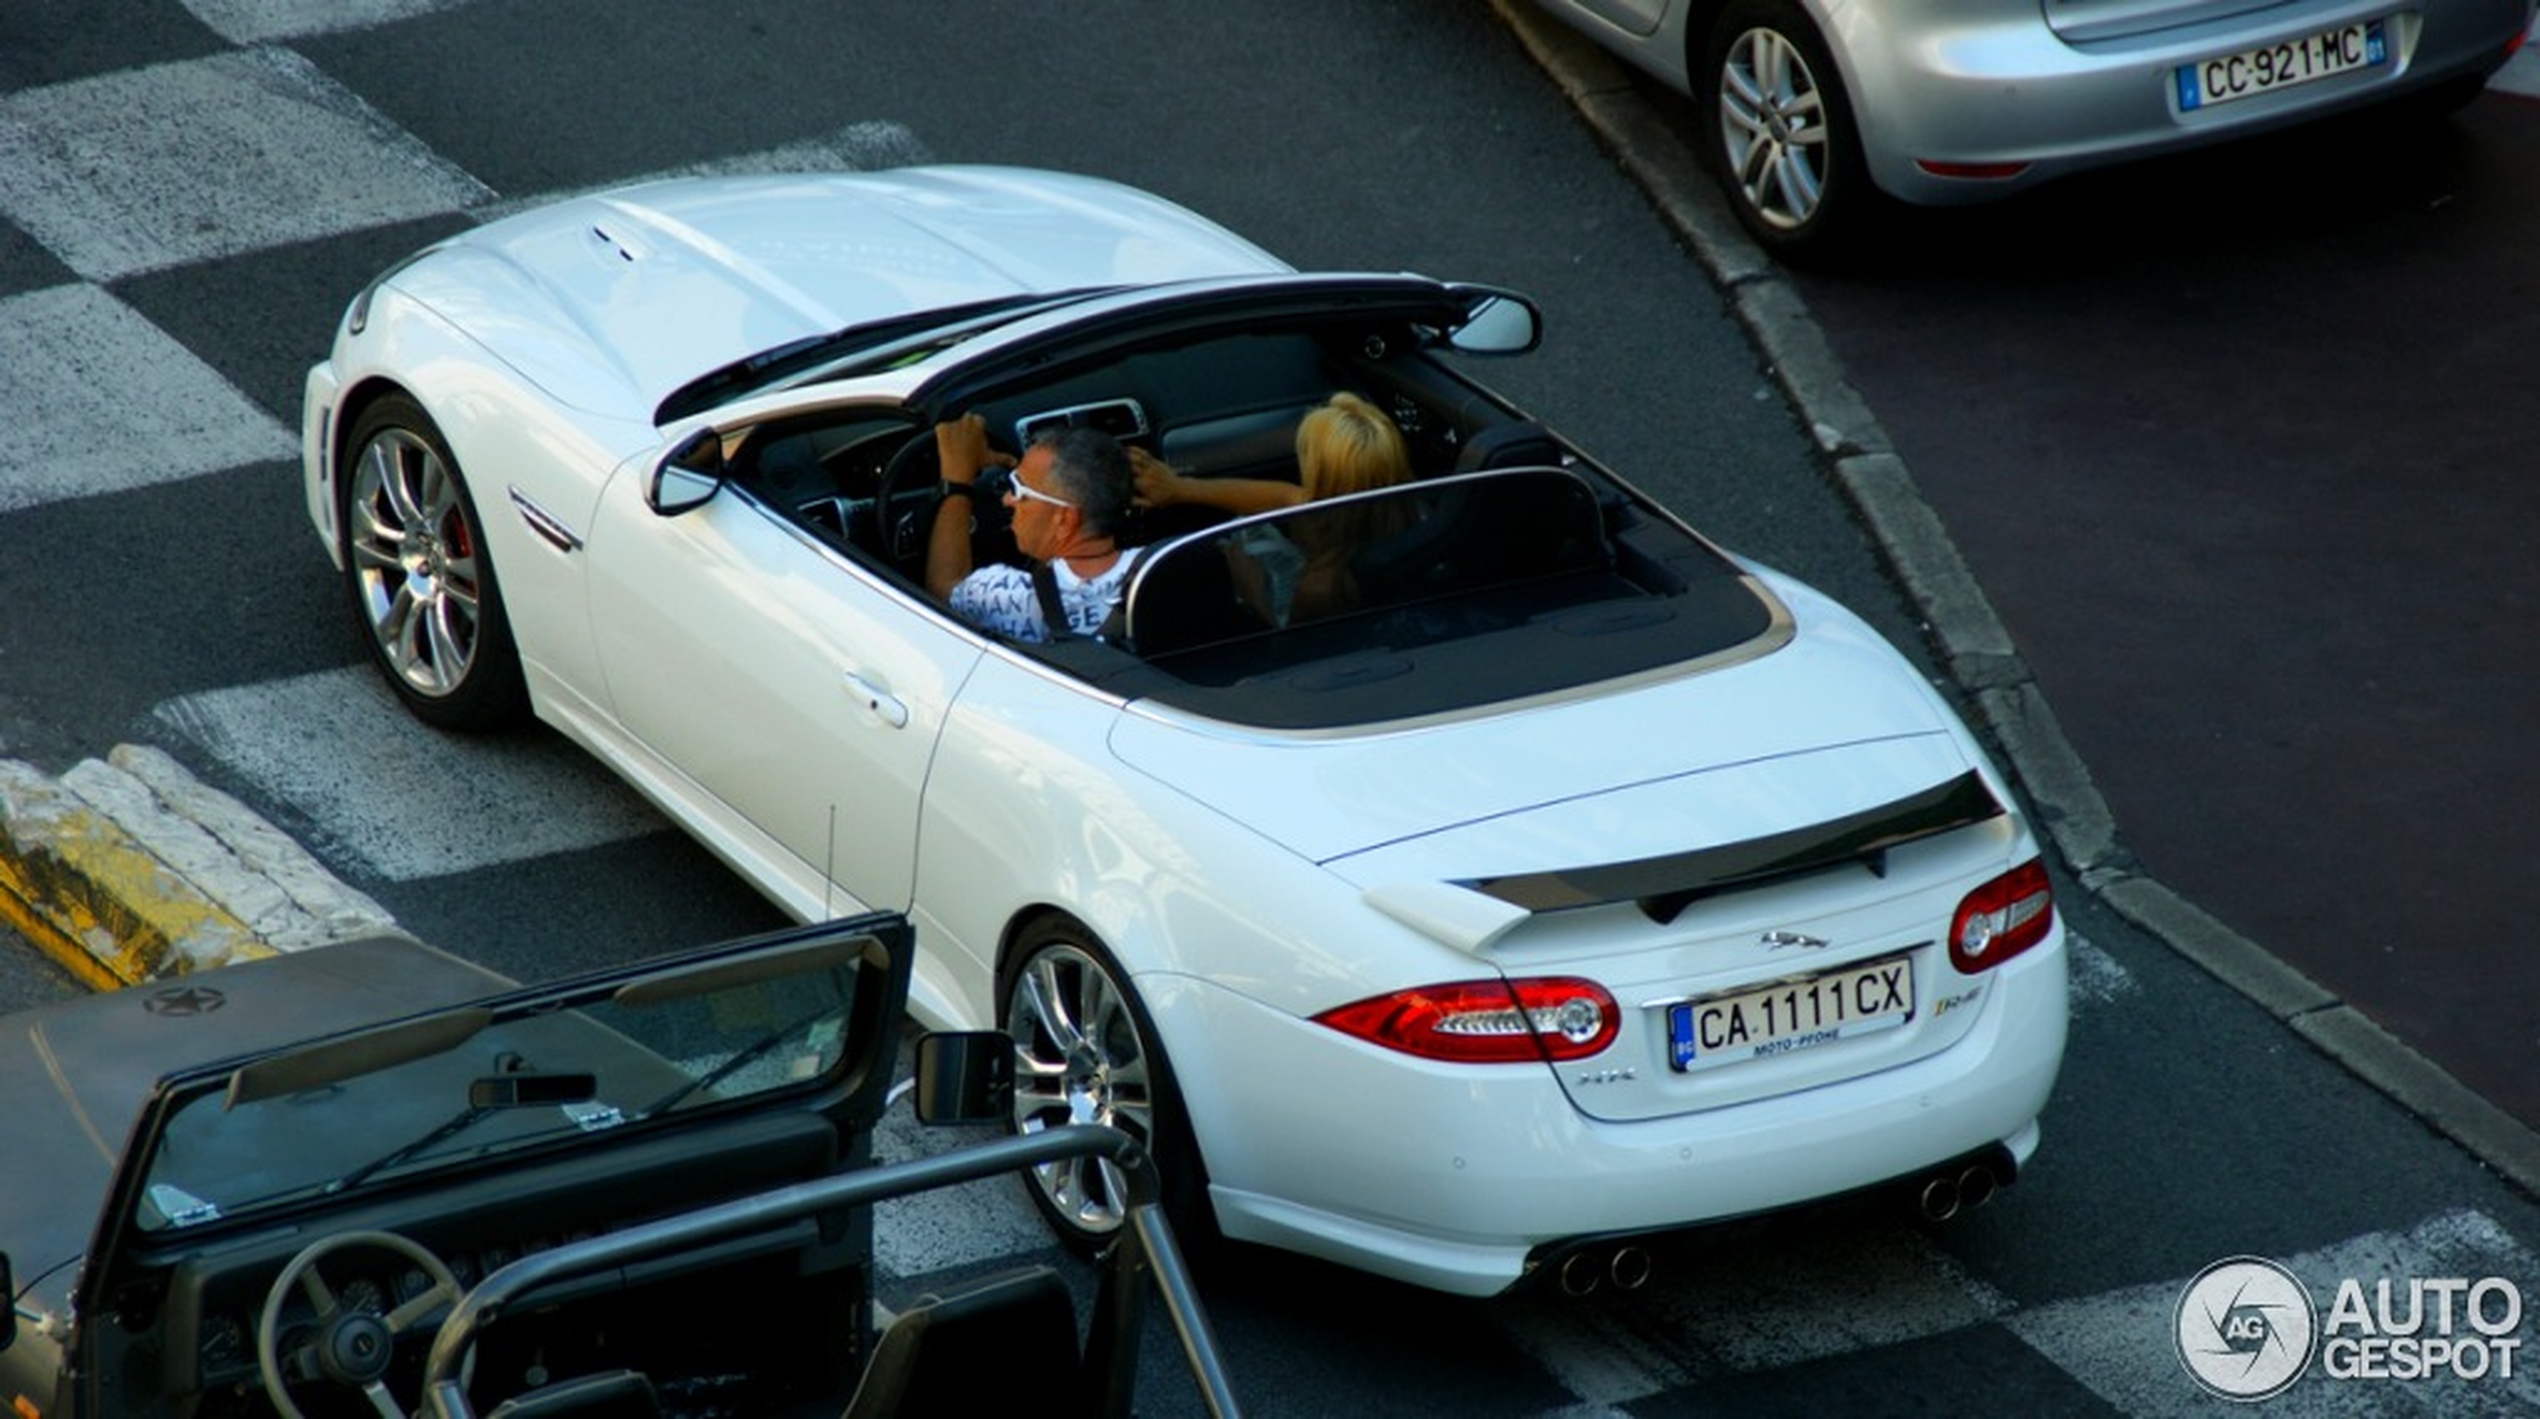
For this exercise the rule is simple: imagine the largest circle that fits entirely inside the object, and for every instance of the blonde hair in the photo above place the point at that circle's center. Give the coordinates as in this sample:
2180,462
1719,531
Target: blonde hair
1347,445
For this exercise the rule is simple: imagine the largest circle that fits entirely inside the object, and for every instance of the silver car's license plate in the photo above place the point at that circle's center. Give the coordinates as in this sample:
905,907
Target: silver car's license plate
1790,1014
2228,78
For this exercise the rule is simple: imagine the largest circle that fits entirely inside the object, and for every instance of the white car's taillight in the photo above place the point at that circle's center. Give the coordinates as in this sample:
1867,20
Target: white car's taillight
1486,1021
2002,918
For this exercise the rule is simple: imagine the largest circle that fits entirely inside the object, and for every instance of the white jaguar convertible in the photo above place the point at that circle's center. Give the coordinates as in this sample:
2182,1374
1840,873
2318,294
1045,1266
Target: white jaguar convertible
1569,879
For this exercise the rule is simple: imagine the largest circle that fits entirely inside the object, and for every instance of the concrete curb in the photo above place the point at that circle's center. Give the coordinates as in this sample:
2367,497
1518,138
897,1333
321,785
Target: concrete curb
131,870
1975,648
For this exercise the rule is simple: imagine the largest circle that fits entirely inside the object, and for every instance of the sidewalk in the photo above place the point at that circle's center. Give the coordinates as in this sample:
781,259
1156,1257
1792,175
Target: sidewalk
130,870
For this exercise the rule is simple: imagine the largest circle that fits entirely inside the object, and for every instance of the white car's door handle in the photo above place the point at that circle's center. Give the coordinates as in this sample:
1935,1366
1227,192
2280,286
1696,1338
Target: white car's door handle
878,702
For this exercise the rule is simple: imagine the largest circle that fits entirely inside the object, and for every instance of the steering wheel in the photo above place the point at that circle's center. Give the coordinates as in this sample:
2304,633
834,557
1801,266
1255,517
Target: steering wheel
913,463
991,532
350,1346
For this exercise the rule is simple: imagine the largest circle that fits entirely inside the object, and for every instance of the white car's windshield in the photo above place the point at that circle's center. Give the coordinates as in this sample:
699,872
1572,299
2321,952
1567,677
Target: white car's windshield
876,345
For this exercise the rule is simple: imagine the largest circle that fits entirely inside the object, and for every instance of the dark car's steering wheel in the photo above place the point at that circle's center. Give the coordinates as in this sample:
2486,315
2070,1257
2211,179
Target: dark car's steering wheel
348,1344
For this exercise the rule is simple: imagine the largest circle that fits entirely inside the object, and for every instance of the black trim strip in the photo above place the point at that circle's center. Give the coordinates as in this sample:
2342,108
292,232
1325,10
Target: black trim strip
1665,886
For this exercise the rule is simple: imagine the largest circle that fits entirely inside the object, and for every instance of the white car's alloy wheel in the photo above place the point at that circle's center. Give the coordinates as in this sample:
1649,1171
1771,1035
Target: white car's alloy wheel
1086,1053
419,576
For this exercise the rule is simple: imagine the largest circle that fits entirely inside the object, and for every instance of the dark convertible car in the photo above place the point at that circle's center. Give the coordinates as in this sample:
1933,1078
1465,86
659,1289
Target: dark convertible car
373,1178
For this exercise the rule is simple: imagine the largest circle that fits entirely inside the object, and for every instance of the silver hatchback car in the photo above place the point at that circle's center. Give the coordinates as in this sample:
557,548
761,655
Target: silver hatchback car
1809,104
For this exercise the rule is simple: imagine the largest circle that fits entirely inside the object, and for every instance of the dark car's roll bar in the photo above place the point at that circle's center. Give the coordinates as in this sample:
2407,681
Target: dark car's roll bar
1147,1246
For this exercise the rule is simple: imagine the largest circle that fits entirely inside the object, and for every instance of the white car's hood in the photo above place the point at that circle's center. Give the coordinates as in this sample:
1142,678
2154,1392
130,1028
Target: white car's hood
611,302
1823,727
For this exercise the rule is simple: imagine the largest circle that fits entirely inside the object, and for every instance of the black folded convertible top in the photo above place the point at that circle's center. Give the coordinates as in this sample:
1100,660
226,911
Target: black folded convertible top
1458,592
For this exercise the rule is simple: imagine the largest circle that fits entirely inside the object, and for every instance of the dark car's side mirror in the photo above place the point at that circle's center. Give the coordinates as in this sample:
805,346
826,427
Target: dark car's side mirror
965,1076
686,476
8,1304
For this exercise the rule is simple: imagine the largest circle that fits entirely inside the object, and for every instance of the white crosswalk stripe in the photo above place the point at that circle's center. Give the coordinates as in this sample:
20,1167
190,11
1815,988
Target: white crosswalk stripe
2096,977
144,169
1803,1301
399,798
1799,1304
986,1221
78,361
2119,1344
261,21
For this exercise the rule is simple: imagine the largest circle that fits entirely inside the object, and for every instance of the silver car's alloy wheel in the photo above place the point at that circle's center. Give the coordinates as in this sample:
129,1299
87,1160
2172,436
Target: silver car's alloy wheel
1082,1056
414,547
1774,127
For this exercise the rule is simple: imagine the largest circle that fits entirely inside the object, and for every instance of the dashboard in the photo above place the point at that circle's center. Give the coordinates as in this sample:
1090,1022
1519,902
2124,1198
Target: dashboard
645,1317
864,482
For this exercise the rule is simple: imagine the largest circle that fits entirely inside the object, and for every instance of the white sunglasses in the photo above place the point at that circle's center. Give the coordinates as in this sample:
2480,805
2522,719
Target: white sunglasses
1016,488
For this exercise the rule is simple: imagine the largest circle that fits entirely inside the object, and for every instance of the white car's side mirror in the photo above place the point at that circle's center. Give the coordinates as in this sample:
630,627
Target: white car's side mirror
1498,324
687,476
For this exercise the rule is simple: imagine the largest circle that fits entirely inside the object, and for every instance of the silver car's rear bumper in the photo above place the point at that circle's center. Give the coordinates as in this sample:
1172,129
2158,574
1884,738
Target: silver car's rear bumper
1989,85
2013,94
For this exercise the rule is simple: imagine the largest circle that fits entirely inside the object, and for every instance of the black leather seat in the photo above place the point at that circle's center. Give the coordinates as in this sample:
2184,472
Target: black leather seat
1003,1344
1521,443
1484,532
1186,599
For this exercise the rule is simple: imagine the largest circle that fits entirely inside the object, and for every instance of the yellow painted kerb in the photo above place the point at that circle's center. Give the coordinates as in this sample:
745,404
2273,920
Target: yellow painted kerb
84,892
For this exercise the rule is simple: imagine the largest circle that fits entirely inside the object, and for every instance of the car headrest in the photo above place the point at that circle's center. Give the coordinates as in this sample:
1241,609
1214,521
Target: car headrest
1522,443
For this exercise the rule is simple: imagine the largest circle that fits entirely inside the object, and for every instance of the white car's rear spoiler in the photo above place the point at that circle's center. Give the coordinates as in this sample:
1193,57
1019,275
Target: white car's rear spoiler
1471,915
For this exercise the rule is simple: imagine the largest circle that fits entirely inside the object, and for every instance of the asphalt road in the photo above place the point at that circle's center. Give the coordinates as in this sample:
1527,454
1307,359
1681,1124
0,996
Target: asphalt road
2250,479
27,977
191,194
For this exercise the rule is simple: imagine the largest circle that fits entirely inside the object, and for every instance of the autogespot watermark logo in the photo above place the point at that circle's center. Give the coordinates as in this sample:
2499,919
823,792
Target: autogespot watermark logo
2247,1329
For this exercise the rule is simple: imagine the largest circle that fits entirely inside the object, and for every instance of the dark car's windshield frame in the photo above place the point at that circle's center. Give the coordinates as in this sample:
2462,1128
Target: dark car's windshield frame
522,1073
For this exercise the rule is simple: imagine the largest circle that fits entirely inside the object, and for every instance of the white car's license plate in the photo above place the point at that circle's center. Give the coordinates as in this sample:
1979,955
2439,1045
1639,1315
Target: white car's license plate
1791,1014
2228,78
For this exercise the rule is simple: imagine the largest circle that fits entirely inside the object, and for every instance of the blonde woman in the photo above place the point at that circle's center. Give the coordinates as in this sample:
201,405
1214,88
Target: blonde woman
1345,445
1300,570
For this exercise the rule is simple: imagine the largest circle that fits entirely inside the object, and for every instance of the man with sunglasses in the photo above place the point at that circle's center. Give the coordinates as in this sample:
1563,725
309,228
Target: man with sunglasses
1068,492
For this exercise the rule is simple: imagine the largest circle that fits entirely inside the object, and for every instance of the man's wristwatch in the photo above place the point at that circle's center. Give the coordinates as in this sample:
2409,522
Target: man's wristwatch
962,490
